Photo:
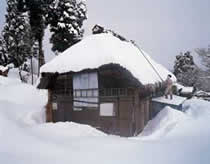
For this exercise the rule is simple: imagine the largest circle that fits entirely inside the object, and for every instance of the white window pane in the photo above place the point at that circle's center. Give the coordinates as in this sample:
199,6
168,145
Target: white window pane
107,109
93,80
96,93
89,93
83,93
86,81
78,93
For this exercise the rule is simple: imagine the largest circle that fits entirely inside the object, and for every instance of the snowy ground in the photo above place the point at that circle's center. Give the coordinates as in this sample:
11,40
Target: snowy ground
172,137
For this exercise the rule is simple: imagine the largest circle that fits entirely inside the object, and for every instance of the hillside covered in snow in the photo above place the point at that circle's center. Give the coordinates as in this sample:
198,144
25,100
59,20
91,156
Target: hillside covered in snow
172,137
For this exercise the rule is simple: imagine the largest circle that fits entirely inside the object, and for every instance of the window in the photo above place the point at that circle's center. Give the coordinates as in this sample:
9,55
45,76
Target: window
85,92
107,109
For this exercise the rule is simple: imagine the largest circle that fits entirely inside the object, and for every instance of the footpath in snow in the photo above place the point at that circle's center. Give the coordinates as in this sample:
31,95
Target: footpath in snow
172,137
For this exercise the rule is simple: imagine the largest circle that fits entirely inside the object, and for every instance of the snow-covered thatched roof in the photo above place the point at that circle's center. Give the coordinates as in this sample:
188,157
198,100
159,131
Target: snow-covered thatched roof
100,49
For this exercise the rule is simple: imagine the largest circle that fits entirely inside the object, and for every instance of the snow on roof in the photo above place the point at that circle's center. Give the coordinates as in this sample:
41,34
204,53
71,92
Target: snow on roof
3,69
177,100
184,89
97,50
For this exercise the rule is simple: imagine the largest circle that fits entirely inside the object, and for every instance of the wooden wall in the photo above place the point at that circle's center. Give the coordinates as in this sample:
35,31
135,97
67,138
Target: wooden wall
131,111
129,119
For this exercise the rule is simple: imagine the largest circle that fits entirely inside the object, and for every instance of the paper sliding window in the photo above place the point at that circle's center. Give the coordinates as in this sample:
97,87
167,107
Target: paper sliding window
85,90
107,109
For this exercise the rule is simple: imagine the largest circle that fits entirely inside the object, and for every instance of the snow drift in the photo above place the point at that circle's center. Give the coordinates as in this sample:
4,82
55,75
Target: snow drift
163,123
176,137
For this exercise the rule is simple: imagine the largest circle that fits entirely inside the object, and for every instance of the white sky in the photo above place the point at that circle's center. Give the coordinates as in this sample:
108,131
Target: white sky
162,28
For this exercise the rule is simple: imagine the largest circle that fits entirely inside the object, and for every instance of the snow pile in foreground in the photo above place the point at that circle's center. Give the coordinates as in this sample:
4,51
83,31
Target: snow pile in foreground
163,123
176,137
14,91
25,104
66,129
197,108
170,122
104,49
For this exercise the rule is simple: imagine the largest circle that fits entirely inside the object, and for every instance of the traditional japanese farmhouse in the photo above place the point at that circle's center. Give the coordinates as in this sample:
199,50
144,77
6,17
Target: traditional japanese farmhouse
105,82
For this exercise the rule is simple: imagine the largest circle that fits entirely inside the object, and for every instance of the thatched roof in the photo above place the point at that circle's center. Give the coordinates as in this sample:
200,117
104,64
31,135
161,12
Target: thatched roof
101,49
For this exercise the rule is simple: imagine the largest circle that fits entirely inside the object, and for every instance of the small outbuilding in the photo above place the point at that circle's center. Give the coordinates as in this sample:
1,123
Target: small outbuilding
4,71
104,82
159,103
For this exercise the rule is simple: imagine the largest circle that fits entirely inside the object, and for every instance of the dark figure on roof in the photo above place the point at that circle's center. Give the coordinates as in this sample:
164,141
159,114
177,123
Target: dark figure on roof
97,29
169,84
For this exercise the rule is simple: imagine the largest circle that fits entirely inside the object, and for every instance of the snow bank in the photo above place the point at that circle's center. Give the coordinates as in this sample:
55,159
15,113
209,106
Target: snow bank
181,138
21,101
173,123
197,108
199,114
163,123
65,130
103,49
27,77
4,81
16,92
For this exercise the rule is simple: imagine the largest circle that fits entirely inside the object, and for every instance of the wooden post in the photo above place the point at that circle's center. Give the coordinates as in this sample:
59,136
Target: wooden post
49,117
135,112
142,115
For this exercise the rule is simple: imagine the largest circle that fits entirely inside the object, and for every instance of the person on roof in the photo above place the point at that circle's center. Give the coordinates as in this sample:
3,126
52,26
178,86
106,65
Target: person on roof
169,84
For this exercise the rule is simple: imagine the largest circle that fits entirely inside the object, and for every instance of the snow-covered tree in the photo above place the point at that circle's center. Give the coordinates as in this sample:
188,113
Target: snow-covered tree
204,54
16,34
185,69
66,19
204,74
36,10
3,53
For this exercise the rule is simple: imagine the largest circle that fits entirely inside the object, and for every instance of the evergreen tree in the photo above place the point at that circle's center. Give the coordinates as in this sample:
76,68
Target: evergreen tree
185,69
204,54
16,34
36,9
204,74
66,19
3,52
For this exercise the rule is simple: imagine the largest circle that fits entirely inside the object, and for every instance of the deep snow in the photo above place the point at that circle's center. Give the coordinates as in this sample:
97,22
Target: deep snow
172,137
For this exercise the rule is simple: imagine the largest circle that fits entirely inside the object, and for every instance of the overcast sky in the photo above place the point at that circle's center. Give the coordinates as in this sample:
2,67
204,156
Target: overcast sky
162,28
